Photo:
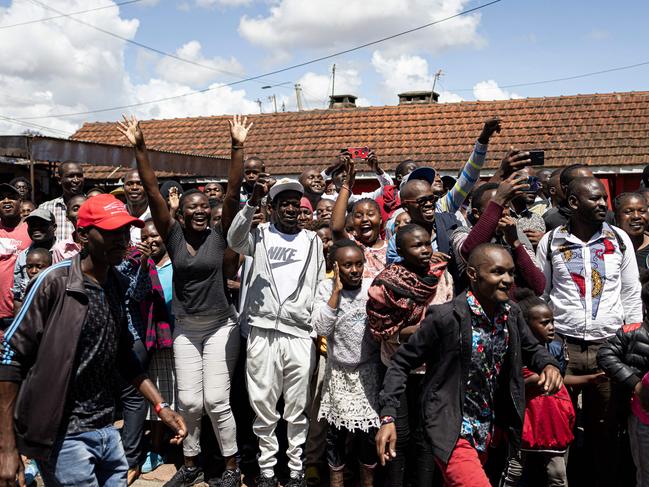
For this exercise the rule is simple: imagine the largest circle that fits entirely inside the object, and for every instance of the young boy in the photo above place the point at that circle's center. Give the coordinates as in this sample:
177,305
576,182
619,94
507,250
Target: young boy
37,260
474,349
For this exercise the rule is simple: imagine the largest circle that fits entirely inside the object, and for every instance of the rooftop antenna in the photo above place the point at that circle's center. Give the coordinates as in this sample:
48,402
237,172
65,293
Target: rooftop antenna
333,80
437,76
258,102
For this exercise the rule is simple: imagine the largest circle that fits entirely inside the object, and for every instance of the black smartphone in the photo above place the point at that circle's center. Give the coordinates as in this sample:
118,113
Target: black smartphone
537,157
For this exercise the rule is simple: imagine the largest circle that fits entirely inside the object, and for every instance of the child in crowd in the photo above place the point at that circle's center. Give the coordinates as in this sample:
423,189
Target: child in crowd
399,218
352,378
625,359
37,260
398,300
549,420
26,207
365,220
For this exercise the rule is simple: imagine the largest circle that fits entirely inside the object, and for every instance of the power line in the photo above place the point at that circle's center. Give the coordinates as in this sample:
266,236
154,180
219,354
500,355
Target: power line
139,44
32,125
565,78
35,21
271,73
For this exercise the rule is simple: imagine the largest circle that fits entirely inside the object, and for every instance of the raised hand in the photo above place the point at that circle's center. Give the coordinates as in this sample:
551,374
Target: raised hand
130,128
258,192
350,174
338,285
174,200
514,161
507,225
239,129
515,185
490,127
373,161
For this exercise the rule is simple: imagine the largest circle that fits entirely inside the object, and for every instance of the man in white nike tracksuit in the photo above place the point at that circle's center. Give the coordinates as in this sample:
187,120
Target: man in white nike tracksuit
288,263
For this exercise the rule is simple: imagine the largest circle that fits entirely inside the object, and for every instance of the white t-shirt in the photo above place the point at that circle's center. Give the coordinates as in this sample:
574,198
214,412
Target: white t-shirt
135,231
287,255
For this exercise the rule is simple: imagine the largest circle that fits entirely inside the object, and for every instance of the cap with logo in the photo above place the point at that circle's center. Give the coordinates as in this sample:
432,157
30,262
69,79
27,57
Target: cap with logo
285,184
41,214
423,173
105,212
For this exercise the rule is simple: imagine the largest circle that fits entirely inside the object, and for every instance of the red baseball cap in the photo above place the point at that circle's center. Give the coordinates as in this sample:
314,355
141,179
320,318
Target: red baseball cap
105,212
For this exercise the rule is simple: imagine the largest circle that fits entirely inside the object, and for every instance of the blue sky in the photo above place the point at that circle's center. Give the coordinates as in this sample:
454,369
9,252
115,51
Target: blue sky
67,67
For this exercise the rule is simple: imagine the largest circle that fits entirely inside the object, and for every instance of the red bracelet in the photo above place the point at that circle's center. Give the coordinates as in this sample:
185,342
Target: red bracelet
160,406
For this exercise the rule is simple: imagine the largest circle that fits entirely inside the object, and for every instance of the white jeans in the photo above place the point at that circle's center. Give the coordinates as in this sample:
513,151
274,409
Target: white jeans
639,440
279,364
205,354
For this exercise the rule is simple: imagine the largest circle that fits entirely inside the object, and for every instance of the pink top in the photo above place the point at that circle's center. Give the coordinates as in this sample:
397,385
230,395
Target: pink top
12,242
64,249
641,413
374,260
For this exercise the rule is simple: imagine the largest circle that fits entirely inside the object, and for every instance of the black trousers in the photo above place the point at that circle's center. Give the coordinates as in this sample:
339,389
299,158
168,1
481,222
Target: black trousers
414,464
134,409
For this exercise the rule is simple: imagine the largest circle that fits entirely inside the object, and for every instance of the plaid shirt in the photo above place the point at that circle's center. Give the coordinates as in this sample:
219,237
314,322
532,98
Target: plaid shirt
64,228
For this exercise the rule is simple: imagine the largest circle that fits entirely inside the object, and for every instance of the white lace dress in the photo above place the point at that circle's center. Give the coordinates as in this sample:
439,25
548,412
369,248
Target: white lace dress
352,378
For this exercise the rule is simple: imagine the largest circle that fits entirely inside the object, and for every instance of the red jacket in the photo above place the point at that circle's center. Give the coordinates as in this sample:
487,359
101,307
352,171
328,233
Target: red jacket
549,421
388,202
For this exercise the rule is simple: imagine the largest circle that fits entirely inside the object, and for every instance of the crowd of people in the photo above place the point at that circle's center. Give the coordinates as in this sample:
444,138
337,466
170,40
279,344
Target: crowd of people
435,331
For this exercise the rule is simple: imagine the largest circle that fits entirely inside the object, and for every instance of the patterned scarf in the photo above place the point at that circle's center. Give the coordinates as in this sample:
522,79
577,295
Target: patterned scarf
159,333
398,298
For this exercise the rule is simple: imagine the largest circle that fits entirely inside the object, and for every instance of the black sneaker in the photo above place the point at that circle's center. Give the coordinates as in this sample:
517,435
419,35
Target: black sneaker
230,478
186,477
266,481
299,481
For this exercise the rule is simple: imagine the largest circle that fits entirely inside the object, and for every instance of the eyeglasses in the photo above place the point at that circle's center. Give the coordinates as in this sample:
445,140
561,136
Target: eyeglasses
422,201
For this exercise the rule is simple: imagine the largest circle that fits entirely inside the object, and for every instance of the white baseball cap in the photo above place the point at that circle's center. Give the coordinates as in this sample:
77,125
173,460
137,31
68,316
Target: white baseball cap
285,184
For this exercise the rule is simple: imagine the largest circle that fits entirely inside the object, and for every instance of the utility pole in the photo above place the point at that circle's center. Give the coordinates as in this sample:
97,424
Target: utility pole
438,74
274,100
333,80
258,102
298,96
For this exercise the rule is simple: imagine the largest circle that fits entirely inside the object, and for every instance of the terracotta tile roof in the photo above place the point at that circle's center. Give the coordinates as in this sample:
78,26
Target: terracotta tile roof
601,129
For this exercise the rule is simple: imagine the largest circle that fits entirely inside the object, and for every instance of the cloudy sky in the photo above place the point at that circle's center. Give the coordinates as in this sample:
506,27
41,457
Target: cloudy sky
83,61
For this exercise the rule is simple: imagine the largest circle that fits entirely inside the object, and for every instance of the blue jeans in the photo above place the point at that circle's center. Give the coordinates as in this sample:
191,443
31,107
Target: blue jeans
91,459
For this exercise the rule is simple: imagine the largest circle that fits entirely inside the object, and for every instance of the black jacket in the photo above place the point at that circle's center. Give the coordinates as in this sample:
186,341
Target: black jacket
625,357
39,350
444,343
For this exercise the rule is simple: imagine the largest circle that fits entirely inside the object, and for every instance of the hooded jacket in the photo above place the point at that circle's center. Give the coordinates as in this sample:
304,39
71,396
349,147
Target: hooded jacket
262,307
38,351
444,343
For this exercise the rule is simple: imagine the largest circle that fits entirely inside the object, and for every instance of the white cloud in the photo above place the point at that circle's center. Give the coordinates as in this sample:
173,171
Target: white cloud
60,66
402,73
180,72
222,3
489,90
448,97
217,101
316,88
331,24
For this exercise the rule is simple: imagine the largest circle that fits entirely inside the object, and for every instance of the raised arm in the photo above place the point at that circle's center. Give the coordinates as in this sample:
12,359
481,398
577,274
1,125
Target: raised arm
159,211
339,212
239,133
453,200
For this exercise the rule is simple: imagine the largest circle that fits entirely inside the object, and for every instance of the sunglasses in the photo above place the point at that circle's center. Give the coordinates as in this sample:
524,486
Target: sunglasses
421,201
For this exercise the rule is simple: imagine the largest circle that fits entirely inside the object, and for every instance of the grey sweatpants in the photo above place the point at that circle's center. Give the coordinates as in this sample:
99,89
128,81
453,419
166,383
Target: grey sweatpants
279,364
205,355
